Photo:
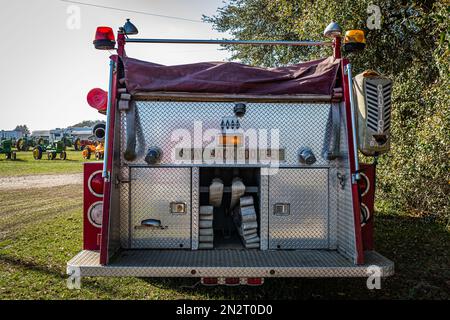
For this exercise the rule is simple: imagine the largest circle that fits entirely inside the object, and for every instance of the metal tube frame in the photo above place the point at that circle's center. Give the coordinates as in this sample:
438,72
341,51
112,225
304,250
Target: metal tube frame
105,173
348,70
233,42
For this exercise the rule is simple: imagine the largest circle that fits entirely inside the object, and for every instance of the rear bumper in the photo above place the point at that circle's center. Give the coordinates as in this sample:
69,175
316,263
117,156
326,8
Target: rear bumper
227,263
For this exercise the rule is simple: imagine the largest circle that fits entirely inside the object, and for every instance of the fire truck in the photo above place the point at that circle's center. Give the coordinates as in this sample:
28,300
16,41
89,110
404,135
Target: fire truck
231,173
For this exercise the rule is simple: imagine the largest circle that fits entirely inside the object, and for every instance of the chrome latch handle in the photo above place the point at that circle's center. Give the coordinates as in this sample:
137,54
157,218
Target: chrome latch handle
152,224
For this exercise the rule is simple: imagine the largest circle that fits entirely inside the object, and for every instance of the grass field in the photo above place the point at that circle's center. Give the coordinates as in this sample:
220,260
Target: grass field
26,165
41,229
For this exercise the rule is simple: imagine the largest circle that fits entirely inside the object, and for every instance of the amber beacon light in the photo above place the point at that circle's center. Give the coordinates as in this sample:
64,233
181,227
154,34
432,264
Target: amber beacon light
354,40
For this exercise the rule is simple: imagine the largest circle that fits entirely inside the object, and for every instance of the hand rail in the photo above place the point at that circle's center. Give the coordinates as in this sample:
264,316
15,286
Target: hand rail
105,173
232,42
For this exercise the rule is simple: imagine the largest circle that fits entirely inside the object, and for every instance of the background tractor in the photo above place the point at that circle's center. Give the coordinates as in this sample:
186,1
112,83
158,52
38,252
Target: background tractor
6,148
25,143
96,148
55,148
51,149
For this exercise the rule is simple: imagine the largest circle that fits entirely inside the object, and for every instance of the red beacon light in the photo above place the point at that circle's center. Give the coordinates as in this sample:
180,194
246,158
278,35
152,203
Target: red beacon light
104,39
98,99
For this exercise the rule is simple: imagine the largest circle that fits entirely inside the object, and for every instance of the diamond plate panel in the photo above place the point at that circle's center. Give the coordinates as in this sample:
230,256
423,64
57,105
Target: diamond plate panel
345,220
306,226
195,206
264,212
299,125
151,192
124,207
227,263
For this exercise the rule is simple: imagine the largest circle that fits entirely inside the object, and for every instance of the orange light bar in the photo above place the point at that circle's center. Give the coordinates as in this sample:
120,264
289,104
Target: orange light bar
230,140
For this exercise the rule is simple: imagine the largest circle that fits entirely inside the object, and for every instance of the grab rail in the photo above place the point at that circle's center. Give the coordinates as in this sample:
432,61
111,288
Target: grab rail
244,42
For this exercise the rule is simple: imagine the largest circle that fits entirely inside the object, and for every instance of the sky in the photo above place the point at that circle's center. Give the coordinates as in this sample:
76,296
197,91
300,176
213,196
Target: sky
48,62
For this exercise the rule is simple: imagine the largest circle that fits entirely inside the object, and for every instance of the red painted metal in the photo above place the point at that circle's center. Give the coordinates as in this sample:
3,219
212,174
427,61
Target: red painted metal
90,232
337,48
108,184
369,199
121,45
351,152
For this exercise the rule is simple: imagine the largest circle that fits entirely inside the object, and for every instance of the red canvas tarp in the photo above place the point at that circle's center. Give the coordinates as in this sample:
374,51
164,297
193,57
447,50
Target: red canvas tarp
311,78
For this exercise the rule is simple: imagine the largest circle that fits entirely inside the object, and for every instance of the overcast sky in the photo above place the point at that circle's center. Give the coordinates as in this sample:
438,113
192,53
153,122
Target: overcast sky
48,63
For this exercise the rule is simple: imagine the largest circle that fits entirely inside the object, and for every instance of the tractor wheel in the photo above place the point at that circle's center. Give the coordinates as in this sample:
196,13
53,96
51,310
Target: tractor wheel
8,155
63,155
37,153
51,155
13,156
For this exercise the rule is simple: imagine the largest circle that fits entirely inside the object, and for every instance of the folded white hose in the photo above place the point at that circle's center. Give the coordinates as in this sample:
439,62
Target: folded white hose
237,191
216,193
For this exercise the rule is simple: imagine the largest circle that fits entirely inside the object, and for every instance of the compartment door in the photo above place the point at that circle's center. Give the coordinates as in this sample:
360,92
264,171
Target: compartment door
152,193
298,209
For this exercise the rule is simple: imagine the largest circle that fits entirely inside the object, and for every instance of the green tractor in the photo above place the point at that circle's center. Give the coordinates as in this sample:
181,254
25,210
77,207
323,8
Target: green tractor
25,143
6,148
51,149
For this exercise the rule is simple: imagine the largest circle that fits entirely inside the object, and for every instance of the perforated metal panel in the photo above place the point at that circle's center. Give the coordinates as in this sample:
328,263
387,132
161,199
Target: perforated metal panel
305,191
299,125
151,192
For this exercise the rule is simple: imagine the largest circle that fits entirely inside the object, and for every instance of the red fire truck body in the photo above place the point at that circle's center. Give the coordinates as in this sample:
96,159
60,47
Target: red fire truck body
168,203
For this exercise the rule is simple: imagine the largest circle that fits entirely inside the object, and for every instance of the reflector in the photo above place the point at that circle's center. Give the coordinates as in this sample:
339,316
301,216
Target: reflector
209,281
255,281
104,39
232,281
98,99
95,184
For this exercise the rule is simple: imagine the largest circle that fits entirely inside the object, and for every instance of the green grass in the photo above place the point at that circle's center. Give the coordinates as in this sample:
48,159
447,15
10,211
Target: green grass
26,165
40,230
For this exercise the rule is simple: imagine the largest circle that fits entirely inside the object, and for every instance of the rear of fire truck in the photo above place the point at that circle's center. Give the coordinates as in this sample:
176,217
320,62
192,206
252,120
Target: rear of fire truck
231,173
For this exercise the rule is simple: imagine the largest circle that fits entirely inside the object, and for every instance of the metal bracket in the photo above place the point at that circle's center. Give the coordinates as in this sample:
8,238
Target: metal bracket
341,178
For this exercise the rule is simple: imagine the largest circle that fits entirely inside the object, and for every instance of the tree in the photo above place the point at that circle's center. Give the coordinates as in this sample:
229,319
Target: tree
22,128
86,123
412,47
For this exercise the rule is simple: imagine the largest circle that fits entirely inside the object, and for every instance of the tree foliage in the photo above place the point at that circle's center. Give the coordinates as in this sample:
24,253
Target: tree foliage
85,123
411,47
22,128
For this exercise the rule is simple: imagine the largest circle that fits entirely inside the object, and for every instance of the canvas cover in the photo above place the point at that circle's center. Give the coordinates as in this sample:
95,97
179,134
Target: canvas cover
316,77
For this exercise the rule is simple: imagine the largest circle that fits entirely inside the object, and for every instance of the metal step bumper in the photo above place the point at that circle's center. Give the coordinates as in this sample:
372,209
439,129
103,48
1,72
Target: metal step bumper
228,263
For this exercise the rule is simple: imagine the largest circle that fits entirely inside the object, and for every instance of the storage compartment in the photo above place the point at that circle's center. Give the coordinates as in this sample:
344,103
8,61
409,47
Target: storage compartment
164,195
299,209
225,228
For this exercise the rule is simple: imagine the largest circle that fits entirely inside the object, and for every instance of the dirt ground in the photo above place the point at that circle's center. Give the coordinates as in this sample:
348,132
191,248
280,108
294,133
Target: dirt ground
39,181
